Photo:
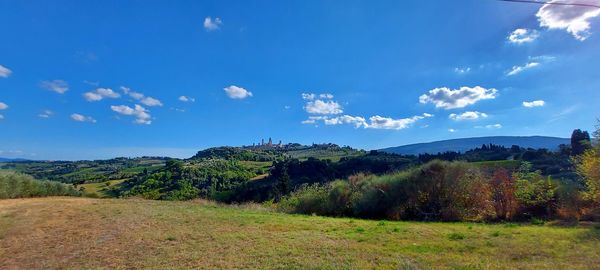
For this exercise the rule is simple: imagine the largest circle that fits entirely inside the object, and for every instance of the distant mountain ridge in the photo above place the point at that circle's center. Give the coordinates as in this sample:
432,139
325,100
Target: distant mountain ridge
12,159
465,144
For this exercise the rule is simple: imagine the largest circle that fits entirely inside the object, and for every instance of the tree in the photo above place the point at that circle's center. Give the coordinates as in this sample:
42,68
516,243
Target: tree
503,194
535,194
587,166
283,182
580,142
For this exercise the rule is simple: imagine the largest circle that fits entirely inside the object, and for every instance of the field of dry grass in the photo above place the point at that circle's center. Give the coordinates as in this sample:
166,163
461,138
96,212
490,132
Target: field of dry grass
82,233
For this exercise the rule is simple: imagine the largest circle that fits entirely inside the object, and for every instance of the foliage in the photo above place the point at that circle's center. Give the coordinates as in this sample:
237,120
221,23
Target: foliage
503,194
86,171
435,191
16,185
580,142
588,167
179,182
238,153
535,194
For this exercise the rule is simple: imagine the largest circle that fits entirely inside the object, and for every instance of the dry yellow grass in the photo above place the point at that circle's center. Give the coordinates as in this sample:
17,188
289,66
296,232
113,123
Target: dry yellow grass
81,233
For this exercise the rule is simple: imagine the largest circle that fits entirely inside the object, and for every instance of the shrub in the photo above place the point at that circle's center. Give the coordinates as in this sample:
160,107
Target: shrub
308,199
535,194
16,185
435,191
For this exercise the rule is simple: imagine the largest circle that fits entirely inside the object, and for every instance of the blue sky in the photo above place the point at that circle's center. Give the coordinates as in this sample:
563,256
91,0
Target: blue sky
98,79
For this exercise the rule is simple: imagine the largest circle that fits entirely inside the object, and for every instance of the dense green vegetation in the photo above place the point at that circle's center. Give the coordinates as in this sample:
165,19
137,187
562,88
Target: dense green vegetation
438,190
86,171
490,182
16,185
179,182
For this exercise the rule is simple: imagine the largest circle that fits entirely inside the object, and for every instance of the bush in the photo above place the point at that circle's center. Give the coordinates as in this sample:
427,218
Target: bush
439,190
16,185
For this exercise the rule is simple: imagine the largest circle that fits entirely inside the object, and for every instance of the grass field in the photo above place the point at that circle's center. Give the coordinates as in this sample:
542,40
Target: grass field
100,188
83,233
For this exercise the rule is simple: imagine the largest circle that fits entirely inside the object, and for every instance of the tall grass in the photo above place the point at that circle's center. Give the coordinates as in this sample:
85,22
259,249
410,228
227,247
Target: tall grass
16,185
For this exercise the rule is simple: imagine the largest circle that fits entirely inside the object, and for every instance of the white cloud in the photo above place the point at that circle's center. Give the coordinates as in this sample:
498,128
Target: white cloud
494,126
535,103
451,130
287,107
46,114
1,117
3,106
148,101
467,116
378,122
312,96
100,94
58,86
518,69
326,96
522,35
141,114
357,121
323,107
82,118
374,122
573,19
212,25
459,98
186,99
308,96
462,70
314,119
236,92
4,71
92,83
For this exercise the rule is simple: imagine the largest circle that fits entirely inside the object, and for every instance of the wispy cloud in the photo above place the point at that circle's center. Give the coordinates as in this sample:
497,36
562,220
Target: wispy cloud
467,116
518,69
46,114
212,24
82,118
4,71
3,106
148,101
535,103
100,94
186,99
522,35
58,86
491,126
462,70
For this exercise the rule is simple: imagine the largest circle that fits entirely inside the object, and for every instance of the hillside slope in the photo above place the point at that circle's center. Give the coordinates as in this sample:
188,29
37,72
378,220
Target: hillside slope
80,233
464,144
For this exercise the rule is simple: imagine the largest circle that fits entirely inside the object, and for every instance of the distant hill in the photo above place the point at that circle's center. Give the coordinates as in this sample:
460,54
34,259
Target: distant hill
465,144
11,159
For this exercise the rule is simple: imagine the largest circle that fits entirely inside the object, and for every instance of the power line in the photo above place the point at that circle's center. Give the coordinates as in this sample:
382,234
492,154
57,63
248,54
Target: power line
552,3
